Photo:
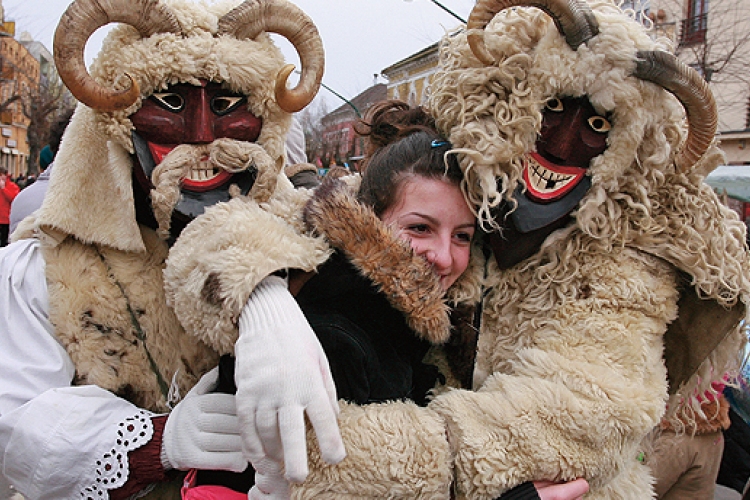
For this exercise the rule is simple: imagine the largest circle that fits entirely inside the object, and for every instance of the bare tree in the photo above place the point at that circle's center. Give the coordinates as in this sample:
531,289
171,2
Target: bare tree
42,106
714,39
311,117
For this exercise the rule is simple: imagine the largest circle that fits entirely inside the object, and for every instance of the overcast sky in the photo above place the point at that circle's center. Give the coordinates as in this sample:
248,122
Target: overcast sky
361,37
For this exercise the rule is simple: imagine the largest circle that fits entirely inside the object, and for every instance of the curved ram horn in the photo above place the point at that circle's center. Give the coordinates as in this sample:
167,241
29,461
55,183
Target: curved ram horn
253,17
573,18
664,69
76,25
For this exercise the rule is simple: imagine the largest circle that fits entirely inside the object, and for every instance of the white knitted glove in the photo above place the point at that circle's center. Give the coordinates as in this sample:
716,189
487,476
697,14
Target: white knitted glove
202,431
282,373
269,482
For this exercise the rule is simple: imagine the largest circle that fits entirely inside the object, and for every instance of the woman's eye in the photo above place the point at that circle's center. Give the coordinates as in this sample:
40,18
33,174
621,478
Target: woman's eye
223,104
464,237
169,100
599,124
418,228
555,105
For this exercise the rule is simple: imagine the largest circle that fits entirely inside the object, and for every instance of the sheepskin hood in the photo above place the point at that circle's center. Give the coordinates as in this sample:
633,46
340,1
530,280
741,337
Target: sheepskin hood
492,114
91,196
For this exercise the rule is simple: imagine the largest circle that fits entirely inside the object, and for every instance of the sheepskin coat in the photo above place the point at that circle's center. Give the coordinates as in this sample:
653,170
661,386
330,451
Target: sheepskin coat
109,312
107,300
88,215
570,376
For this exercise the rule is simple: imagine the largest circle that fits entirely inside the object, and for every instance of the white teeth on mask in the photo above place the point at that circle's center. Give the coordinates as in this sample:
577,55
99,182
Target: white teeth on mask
202,174
545,180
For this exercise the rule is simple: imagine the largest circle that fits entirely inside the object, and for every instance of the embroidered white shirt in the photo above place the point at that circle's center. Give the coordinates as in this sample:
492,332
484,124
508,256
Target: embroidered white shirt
56,440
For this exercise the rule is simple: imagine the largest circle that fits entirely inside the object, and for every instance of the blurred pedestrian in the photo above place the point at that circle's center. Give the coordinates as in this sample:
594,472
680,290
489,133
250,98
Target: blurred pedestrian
8,191
687,454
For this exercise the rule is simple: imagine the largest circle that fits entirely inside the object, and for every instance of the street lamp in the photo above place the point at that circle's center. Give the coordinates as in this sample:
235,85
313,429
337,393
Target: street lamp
446,9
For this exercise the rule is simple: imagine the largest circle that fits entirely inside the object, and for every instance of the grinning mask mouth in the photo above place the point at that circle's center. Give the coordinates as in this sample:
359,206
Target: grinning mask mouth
546,181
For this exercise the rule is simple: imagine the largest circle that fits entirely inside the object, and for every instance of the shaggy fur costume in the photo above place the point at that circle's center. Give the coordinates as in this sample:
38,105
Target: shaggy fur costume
569,376
92,292
104,270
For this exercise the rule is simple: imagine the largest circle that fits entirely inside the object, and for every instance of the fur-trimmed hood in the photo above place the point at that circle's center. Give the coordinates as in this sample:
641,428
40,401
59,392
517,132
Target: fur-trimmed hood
406,279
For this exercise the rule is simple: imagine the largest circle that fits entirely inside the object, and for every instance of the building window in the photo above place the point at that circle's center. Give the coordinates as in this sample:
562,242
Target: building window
694,26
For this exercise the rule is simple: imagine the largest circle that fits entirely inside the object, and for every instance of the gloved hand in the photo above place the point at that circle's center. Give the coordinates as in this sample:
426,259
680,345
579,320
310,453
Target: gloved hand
282,373
269,482
202,431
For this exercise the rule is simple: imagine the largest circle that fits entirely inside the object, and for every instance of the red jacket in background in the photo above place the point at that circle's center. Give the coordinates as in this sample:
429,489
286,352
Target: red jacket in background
6,197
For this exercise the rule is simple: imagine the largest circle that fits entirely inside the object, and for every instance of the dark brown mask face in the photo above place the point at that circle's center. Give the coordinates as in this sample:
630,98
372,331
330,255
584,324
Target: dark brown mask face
191,114
195,115
572,134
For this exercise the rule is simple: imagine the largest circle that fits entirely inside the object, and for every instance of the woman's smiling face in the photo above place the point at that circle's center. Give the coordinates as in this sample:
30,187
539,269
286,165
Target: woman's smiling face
432,215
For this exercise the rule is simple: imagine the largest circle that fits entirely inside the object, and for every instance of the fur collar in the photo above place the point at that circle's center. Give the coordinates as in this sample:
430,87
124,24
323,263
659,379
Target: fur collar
405,278
714,417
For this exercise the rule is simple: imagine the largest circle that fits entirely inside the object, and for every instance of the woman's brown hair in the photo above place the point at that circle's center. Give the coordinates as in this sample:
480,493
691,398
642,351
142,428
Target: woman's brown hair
402,141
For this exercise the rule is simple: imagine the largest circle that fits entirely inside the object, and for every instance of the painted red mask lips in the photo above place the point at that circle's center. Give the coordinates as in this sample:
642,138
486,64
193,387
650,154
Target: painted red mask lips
201,179
546,181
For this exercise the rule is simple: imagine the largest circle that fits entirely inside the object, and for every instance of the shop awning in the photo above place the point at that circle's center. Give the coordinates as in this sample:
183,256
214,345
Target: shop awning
734,179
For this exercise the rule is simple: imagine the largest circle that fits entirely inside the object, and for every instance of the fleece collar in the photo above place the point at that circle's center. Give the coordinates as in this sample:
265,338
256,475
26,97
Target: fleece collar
406,279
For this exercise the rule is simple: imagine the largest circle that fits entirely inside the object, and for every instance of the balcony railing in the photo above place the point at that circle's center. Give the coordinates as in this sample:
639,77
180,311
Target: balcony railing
694,30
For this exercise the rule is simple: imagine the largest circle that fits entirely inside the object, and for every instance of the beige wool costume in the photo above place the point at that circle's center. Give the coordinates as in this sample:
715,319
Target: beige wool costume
89,208
102,296
569,373
570,376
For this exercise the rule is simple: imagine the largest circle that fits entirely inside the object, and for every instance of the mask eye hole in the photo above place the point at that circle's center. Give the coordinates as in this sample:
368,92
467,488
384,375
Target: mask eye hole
169,100
555,105
599,124
223,104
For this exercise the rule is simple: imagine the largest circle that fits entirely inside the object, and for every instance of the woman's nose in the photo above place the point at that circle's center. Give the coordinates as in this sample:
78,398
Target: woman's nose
439,255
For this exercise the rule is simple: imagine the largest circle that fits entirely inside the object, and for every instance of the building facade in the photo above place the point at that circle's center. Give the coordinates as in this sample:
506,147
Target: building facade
714,38
341,145
409,79
19,77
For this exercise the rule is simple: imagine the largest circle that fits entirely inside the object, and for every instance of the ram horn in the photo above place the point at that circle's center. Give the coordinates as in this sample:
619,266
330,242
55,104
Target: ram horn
573,18
76,25
253,17
665,70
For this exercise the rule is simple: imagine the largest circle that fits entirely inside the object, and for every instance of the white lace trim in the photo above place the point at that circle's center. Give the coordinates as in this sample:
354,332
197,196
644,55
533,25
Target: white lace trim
112,468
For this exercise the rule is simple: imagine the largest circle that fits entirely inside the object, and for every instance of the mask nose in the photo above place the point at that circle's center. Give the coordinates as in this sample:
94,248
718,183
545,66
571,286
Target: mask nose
564,139
200,127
